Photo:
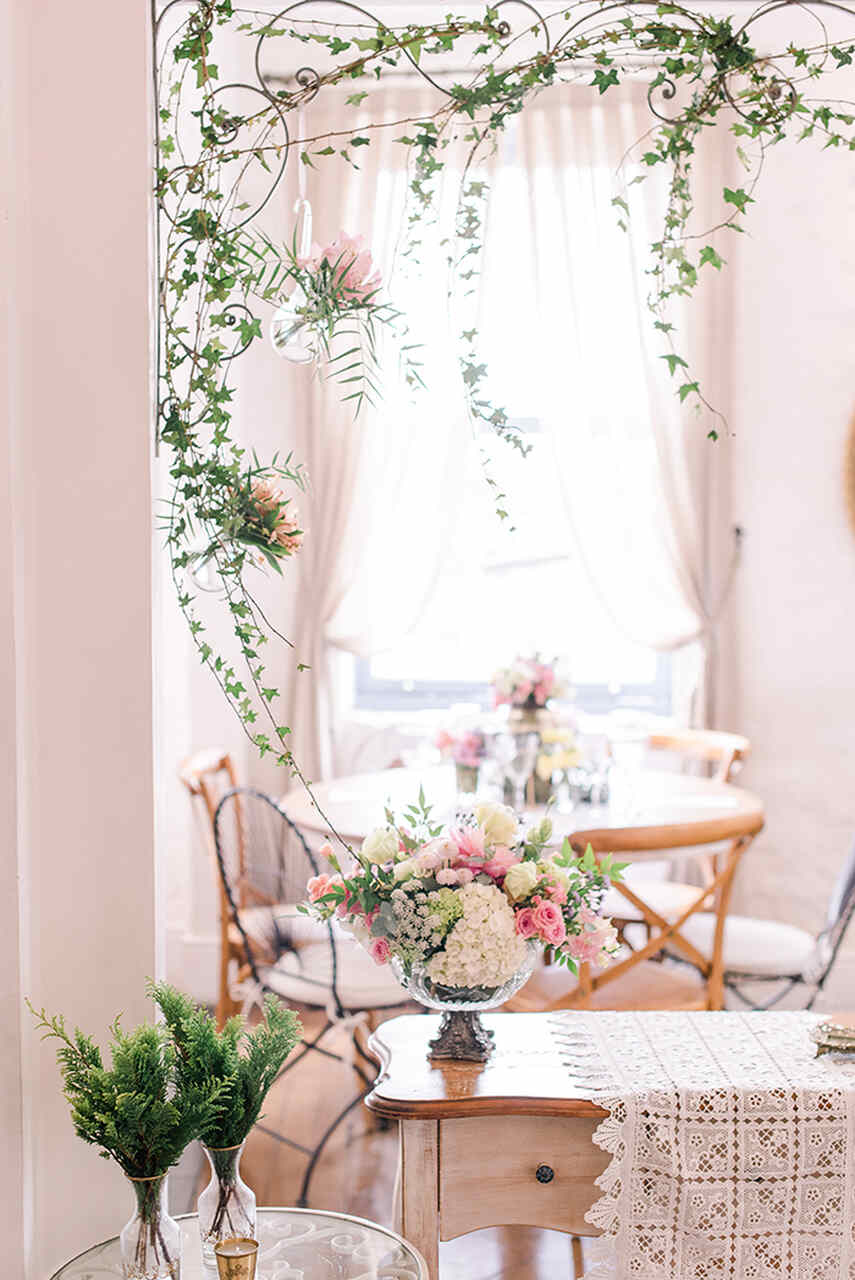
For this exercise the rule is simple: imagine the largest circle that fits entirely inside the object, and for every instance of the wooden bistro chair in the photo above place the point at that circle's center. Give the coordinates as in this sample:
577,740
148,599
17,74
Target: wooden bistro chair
718,755
632,981
264,863
721,753
208,775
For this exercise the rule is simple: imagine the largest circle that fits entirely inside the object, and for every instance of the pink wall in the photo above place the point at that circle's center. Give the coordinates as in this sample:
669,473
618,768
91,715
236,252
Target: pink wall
76,121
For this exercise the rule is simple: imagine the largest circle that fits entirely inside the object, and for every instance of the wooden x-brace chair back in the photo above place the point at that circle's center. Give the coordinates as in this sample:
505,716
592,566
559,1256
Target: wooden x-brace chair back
731,836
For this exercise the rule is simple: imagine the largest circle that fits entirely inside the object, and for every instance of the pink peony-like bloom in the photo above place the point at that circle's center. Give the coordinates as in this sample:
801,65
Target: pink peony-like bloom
354,271
596,941
557,893
550,923
526,927
469,842
465,875
502,859
379,950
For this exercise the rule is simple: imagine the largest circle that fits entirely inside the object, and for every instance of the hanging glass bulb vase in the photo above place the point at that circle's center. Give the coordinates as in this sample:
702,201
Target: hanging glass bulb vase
291,335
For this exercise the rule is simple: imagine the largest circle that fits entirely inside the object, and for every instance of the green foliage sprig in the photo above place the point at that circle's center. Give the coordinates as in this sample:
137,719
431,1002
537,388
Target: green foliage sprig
241,1063
137,1111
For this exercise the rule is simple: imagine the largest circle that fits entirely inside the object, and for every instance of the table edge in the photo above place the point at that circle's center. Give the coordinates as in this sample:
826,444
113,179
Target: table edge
467,1108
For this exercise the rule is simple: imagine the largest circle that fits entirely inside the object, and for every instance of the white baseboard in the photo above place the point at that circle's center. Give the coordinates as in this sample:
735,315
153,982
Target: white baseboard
192,964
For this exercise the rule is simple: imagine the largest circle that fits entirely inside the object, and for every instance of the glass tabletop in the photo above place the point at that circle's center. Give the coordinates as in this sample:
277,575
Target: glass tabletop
296,1244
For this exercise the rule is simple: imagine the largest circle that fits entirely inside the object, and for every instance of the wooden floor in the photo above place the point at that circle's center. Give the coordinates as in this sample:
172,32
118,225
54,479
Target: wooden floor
356,1173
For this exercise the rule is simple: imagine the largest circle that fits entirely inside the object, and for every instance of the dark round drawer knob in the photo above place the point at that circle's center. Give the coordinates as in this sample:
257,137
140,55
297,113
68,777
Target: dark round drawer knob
544,1173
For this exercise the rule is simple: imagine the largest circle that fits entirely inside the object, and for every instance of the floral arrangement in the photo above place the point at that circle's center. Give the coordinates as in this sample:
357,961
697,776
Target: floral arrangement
527,682
467,749
461,905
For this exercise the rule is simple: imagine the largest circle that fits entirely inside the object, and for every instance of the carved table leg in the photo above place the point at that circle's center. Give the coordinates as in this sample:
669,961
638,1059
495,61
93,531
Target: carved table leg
419,1189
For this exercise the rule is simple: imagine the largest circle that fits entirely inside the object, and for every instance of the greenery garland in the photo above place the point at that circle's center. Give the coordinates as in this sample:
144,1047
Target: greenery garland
218,275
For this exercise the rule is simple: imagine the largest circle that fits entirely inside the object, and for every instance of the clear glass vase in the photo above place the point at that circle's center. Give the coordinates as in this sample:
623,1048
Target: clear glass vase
150,1244
466,776
462,1036
291,335
227,1205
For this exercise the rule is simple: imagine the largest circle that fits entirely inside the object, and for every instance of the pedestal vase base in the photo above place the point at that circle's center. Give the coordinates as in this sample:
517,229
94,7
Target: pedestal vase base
462,1037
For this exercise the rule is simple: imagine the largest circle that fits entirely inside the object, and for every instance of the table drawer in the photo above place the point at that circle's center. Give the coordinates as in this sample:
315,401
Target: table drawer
536,1171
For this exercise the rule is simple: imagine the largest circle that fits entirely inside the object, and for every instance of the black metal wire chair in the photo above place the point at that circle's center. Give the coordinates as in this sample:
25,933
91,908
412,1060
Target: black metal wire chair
265,862
812,959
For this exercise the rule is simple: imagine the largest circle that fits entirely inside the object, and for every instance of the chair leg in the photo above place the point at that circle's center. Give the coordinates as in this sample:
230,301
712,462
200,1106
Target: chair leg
578,1261
303,1198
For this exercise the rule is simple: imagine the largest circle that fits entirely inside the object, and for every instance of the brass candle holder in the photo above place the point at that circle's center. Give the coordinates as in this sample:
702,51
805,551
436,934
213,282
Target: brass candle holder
236,1258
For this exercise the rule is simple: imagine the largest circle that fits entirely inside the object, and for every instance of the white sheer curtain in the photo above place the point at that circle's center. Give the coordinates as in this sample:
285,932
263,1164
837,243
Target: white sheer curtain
634,466
380,512
563,312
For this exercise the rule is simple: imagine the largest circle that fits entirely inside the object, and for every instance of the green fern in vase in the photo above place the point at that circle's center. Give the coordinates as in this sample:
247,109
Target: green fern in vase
138,1112
244,1064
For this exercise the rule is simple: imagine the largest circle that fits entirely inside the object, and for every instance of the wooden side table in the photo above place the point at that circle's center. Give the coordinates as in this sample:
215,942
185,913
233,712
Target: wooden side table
487,1144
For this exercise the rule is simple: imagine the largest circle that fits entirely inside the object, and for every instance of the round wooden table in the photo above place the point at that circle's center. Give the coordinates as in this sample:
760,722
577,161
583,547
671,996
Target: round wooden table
651,816
653,813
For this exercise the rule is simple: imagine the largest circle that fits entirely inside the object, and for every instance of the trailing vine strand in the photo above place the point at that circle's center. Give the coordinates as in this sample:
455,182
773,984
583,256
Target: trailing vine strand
220,275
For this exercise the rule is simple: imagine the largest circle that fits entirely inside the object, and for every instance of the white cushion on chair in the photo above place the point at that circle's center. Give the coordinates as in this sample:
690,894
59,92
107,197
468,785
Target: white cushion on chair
668,898
301,929
763,947
307,977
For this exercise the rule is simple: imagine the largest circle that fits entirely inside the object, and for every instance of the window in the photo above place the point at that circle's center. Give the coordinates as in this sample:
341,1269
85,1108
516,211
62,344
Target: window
506,592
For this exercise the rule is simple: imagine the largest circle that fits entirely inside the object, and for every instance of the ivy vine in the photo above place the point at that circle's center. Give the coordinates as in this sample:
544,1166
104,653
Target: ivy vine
218,274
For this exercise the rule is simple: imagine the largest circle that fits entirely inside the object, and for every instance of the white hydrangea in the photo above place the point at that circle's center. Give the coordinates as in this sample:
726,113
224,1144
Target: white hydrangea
483,949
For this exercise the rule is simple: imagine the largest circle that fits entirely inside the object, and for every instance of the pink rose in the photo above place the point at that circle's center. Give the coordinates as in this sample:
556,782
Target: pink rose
465,875
526,927
549,923
379,950
502,859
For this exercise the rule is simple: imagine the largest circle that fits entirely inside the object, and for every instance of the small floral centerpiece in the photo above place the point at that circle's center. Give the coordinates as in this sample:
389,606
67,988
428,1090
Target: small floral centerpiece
527,683
468,750
556,754
460,912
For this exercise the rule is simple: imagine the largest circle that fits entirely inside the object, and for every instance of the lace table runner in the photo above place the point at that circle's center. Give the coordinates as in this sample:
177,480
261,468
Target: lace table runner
733,1146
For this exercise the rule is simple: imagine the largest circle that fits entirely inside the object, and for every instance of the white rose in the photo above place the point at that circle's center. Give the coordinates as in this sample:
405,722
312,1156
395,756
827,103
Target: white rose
498,822
521,879
405,870
380,845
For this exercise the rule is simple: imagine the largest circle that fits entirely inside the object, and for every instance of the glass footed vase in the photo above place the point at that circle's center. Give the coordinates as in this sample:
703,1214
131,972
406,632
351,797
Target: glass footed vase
227,1205
462,1037
150,1244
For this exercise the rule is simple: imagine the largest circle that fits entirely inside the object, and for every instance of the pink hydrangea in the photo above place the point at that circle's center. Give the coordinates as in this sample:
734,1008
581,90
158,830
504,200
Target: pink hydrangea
379,950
